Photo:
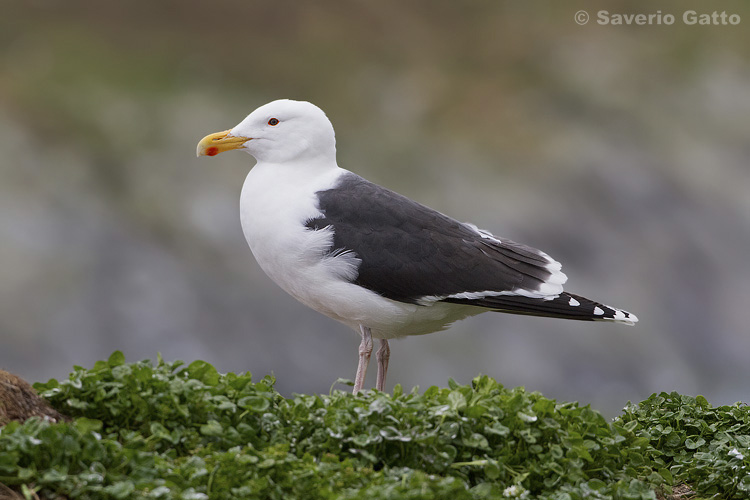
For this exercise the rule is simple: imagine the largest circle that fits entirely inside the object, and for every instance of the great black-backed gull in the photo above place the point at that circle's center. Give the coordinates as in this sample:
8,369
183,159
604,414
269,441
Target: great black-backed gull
370,258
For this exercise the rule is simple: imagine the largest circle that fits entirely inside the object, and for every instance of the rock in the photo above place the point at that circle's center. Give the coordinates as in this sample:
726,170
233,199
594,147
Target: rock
19,401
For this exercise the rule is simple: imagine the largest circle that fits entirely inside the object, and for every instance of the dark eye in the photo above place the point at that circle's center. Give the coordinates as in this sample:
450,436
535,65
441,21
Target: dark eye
273,122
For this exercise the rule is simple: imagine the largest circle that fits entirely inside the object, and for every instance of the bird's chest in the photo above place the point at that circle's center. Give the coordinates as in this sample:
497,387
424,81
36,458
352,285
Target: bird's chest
273,216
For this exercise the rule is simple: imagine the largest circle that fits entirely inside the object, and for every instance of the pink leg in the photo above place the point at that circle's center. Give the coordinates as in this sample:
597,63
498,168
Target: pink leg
383,355
365,350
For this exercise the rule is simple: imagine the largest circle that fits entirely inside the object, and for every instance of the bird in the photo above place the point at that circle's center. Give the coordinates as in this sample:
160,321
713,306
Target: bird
370,258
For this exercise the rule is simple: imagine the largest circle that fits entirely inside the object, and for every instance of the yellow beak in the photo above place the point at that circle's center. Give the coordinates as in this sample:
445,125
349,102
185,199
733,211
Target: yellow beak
213,144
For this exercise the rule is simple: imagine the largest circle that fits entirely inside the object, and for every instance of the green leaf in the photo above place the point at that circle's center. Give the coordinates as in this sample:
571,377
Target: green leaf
692,444
212,428
191,494
205,372
498,429
631,426
702,402
744,484
664,473
398,391
117,358
526,417
596,484
85,425
254,403
158,431
120,489
476,440
456,400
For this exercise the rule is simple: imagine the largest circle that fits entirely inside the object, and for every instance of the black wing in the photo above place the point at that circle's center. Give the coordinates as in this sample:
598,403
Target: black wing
410,252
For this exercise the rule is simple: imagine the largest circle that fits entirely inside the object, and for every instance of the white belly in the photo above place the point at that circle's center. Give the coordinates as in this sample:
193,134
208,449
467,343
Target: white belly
273,212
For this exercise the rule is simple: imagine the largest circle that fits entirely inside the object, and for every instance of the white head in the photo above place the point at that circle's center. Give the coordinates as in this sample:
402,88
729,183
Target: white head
278,132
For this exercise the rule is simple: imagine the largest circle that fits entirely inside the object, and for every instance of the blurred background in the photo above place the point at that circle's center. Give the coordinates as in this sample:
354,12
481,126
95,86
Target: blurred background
622,151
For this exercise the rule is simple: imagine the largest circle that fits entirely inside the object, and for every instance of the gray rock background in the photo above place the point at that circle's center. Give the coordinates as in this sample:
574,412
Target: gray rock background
622,151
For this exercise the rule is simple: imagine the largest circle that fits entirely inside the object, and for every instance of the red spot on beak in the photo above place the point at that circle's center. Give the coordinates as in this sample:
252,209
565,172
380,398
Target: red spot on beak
212,151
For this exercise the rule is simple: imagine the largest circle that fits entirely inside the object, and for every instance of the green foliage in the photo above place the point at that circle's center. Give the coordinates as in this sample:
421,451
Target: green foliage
704,446
189,432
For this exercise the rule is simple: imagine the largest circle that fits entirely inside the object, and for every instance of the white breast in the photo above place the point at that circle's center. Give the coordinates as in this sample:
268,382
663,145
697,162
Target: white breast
273,212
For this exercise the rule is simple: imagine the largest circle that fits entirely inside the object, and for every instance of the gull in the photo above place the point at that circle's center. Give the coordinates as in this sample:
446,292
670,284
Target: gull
380,263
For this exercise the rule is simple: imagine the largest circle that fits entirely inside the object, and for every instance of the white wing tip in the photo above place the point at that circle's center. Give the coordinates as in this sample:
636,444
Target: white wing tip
624,317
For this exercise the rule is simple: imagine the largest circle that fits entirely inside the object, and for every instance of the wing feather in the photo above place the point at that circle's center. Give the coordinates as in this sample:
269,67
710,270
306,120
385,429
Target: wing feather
411,253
